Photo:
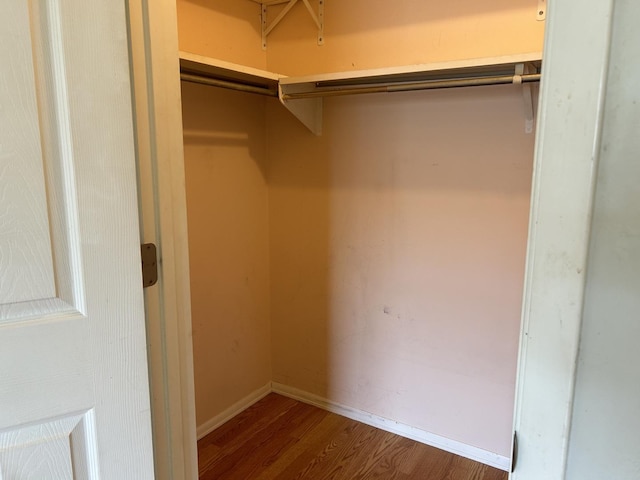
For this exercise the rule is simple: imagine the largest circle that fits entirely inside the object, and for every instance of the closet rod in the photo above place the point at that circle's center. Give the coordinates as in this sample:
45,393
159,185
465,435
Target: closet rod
354,90
404,87
214,82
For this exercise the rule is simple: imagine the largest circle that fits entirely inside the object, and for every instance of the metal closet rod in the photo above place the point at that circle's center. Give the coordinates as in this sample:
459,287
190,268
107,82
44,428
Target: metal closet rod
214,82
388,88
405,87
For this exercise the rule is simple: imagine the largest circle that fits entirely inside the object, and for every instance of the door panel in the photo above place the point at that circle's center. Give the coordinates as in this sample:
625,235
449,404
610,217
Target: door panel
26,254
53,449
74,399
40,248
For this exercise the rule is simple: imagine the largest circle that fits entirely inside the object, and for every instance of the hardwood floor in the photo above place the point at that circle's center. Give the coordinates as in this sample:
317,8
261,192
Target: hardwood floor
280,438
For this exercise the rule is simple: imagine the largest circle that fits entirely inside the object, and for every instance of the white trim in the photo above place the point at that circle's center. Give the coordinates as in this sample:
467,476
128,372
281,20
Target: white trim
577,39
458,448
238,407
162,202
407,431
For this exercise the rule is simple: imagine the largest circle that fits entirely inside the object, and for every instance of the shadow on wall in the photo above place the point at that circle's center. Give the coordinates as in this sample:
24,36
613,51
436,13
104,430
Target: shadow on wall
227,213
225,118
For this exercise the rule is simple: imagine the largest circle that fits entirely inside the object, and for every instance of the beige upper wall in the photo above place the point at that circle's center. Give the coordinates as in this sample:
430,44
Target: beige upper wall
228,30
360,34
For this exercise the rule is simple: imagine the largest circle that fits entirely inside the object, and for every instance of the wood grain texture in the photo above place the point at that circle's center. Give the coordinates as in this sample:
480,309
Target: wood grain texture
51,169
90,353
59,448
280,438
25,252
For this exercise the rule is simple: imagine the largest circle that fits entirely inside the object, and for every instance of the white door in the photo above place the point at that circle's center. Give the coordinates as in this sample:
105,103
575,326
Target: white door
74,400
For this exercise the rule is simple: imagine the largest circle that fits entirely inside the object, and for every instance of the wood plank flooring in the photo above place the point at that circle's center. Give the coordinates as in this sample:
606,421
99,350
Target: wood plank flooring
280,438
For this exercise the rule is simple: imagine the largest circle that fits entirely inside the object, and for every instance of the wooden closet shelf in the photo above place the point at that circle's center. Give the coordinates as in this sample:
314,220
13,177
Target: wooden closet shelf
210,68
302,96
478,67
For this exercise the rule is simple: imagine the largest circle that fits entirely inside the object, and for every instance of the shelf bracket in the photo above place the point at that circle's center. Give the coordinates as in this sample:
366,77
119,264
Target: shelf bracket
306,110
527,96
541,13
318,18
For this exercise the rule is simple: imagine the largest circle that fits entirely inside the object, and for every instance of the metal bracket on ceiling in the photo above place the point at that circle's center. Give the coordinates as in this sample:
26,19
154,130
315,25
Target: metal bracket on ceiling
541,13
527,96
317,19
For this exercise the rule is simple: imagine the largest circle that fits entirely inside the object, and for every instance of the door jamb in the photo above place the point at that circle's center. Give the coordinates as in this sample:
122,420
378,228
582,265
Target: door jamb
163,220
573,87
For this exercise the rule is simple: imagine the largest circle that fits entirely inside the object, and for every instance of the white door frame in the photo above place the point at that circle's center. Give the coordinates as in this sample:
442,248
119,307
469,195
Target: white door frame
163,221
575,66
574,72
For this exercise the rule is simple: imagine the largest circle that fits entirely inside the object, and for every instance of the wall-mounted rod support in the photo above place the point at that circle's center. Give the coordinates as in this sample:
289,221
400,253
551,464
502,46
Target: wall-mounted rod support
317,19
404,87
527,97
541,12
279,18
214,82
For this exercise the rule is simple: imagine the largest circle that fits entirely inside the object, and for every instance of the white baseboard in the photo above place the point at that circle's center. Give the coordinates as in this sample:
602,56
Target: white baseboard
238,407
452,446
422,436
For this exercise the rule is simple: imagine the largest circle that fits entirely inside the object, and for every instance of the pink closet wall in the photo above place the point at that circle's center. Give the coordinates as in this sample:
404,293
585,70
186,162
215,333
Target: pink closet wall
394,244
397,244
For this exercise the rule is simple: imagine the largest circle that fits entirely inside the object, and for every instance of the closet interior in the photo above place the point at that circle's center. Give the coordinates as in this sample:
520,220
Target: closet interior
364,253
